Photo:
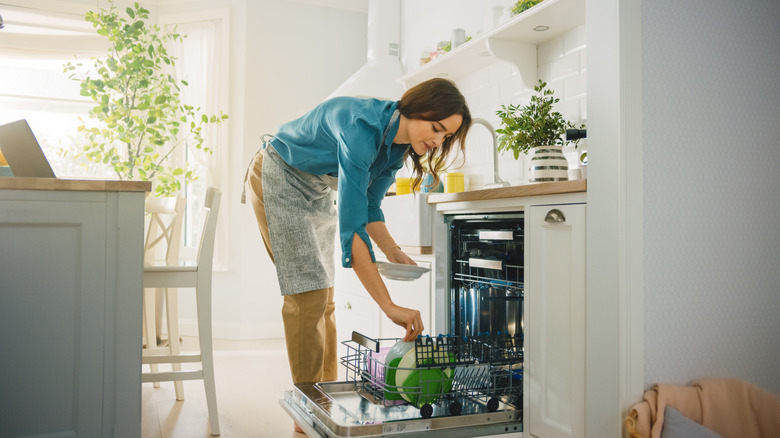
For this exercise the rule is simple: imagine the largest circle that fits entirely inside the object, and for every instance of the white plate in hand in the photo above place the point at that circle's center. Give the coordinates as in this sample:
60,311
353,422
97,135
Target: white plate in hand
399,271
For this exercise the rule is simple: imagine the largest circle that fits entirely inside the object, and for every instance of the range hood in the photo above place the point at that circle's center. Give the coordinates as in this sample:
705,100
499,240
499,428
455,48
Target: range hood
379,76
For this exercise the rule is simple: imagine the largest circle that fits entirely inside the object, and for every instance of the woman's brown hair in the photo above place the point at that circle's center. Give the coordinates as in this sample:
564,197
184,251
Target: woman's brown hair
434,100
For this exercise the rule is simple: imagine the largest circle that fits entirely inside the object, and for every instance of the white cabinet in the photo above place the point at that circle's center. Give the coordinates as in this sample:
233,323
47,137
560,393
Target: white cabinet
555,321
355,310
71,271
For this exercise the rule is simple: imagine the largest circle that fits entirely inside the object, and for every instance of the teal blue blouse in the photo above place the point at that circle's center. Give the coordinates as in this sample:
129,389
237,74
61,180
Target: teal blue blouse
343,137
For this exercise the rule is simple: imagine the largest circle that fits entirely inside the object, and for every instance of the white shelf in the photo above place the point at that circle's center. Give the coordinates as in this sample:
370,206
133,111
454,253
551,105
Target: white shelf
514,41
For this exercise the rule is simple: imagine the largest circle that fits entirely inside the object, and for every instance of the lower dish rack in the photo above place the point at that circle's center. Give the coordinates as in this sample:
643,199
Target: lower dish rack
457,375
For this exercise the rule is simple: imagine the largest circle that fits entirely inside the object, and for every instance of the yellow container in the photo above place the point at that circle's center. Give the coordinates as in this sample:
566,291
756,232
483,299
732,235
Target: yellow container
403,186
454,182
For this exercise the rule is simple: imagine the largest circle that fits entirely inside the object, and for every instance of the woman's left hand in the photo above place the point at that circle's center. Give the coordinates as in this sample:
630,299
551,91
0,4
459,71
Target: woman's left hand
395,255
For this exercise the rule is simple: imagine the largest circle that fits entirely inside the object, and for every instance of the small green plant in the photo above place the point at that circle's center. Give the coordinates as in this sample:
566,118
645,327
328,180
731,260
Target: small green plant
138,119
522,5
535,124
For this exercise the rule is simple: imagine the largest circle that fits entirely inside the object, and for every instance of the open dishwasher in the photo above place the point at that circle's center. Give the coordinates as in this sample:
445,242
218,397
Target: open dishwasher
448,385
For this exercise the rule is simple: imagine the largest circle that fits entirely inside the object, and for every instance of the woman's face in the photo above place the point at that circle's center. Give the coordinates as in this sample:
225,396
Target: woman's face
424,135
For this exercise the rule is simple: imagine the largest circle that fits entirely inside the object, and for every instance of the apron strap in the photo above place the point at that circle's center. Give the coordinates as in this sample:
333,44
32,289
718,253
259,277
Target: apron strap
264,140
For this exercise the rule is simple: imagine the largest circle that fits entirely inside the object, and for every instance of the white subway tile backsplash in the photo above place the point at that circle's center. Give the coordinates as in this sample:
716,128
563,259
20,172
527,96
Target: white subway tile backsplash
574,40
543,71
565,66
550,51
583,61
570,110
574,87
511,86
491,95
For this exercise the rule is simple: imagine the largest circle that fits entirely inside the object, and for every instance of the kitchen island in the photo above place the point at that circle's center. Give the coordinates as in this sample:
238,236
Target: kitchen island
71,276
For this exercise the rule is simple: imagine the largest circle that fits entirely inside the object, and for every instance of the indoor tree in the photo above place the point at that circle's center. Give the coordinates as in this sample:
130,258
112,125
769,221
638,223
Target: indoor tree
138,119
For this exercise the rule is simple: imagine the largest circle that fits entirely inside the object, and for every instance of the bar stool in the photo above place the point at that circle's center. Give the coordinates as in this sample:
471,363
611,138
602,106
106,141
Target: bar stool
197,276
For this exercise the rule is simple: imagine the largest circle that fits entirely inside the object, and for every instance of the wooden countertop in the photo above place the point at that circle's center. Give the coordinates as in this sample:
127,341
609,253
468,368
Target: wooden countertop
21,183
536,189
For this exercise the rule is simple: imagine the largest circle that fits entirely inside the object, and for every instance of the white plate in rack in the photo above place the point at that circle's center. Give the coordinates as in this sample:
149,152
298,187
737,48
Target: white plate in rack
398,271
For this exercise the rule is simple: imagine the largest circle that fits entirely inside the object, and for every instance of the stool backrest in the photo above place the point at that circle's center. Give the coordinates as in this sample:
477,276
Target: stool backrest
206,247
163,234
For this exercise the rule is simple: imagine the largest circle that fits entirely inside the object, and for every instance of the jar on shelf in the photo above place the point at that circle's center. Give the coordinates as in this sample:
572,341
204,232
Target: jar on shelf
425,57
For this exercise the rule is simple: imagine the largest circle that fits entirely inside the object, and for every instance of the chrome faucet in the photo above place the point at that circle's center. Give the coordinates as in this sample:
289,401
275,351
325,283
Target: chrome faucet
497,182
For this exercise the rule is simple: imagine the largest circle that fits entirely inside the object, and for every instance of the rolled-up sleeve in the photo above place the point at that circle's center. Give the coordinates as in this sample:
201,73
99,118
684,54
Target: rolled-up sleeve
355,156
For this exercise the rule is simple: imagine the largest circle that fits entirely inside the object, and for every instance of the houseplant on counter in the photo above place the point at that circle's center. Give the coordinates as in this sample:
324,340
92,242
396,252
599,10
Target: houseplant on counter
138,120
537,127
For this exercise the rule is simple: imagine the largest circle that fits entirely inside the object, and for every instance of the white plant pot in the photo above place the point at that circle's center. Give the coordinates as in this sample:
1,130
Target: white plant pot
548,164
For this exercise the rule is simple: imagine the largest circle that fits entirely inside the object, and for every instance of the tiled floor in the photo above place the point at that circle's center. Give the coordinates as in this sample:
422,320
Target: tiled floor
251,377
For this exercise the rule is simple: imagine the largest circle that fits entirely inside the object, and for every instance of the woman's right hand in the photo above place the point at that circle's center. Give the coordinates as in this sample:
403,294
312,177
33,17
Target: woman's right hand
396,255
409,319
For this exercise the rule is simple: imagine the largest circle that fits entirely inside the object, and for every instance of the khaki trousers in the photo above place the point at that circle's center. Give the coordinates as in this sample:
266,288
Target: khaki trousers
309,318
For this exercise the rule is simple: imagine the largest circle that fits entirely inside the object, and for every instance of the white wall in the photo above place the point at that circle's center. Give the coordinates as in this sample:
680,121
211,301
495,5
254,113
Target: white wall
286,56
296,54
711,102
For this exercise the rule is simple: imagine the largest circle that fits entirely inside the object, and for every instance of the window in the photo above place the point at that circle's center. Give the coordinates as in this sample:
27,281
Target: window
33,49
202,62
35,45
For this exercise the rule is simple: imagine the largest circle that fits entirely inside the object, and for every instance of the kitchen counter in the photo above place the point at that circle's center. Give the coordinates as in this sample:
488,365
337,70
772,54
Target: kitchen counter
537,189
20,183
71,270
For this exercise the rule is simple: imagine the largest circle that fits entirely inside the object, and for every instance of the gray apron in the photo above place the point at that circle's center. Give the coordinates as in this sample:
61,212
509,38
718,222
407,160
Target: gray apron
300,209
302,221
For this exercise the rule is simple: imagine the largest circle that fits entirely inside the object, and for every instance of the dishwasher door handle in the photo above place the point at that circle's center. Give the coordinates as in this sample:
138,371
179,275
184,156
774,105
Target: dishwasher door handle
487,264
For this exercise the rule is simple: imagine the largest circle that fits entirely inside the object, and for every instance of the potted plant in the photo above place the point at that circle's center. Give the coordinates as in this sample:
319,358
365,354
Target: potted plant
538,127
523,5
138,119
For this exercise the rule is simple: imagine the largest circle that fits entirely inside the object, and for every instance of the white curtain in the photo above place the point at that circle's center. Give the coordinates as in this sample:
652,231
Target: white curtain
198,62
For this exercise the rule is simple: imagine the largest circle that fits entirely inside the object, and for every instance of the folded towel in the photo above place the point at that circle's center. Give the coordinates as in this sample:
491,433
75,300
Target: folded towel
732,408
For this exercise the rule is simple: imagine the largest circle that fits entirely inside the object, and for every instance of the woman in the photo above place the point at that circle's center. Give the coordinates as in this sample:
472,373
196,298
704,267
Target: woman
352,146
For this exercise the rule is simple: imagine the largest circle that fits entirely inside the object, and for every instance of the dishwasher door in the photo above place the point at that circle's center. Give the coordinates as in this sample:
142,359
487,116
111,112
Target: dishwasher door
338,410
482,377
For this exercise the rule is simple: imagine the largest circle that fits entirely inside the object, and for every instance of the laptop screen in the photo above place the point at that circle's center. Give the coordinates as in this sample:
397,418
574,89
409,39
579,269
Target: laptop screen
22,151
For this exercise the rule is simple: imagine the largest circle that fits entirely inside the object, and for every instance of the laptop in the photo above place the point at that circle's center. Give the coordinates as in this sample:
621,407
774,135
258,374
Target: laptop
22,151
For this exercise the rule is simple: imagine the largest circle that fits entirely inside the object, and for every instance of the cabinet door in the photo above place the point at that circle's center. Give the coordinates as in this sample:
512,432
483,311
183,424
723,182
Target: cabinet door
355,309
555,315
52,265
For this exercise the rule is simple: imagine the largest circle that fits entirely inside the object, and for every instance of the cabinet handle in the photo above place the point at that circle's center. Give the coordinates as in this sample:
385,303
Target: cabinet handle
348,305
555,215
